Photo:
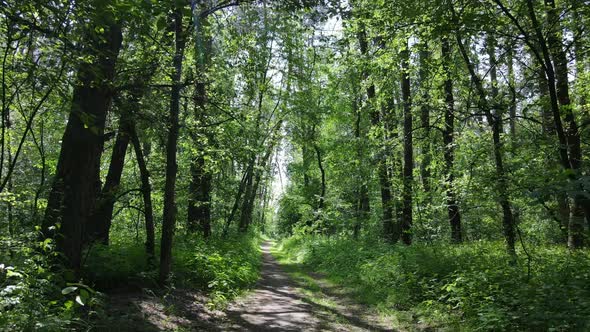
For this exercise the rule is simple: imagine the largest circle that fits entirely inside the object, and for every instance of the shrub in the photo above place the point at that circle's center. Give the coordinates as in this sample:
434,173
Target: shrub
474,282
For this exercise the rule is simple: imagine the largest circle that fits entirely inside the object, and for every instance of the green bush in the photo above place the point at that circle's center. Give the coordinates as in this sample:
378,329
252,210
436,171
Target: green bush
37,297
223,267
474,282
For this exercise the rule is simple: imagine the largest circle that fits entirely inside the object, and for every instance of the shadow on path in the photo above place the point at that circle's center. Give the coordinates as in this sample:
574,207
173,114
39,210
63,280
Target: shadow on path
276,304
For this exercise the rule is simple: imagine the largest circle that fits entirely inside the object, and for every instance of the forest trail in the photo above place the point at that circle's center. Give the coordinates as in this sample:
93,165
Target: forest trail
278,303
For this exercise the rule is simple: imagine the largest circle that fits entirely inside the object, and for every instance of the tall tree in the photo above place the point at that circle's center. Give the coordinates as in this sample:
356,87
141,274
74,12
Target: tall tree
169,215
77,180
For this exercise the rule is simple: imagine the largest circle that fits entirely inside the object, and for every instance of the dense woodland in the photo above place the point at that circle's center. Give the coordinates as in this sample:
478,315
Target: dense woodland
433,156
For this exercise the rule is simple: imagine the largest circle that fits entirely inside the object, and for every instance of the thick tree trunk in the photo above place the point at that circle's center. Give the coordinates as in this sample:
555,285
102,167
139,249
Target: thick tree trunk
199,204
449,148
169,215
77,181
146,191
408,169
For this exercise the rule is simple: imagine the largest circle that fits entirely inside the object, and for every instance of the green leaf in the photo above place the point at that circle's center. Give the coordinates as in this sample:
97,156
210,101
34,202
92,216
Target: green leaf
68,290
11,273
79,300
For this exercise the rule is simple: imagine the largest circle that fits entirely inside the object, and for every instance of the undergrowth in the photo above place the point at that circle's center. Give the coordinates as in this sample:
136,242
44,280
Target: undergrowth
467,287
38,296
221,267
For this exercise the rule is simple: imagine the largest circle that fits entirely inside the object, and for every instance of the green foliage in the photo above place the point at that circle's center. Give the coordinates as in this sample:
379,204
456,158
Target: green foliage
473,283
119,264
35,297
223,267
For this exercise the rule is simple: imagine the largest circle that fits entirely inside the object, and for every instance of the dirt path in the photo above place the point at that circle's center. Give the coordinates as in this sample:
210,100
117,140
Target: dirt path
278,303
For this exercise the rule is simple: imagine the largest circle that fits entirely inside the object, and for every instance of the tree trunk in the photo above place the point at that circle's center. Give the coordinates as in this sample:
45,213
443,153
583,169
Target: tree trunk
169,215
146,191
362,202
240,192
323,177
384,180
406,226
77,181
555,42
449,148
247,203
425,120
512,87
495,123
199,204
99,224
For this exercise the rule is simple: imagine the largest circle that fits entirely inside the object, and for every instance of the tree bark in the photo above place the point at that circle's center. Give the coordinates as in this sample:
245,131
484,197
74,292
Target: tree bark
100,222
425,120
362,202
77,181
199,204
449,148
146,191
240,192
576,233
408,169
169,215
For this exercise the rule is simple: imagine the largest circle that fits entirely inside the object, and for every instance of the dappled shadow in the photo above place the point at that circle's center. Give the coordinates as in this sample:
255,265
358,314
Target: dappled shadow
179,310
277,305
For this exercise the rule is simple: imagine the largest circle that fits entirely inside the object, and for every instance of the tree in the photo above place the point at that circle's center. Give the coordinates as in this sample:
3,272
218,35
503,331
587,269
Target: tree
77,180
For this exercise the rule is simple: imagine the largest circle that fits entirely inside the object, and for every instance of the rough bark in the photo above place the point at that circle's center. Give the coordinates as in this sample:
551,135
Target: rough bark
77,180
100,222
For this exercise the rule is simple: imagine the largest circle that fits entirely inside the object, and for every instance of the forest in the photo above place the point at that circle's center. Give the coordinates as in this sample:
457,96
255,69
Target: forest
295,165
